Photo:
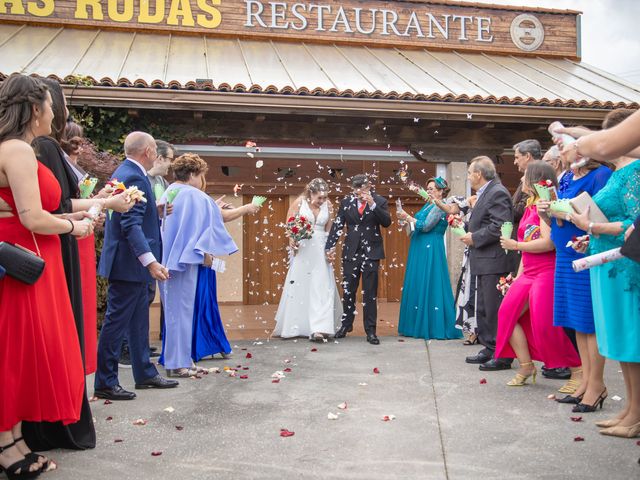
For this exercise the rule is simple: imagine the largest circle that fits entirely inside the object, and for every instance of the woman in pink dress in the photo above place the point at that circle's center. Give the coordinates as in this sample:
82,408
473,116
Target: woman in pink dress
525,318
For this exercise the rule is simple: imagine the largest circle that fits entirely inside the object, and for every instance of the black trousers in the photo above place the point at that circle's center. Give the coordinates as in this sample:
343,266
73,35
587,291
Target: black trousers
352,270
487,305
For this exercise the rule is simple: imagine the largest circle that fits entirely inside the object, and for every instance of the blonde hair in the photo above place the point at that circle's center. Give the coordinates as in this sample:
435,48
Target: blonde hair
316,185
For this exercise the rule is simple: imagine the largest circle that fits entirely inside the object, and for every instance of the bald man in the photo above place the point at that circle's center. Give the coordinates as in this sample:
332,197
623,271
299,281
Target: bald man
129,261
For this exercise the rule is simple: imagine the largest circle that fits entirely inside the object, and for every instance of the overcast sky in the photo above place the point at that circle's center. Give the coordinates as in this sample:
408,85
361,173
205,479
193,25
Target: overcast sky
610,32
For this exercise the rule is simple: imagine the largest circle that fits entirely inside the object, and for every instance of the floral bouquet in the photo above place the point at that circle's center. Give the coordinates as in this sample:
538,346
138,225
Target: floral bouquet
546,190
504,284
87,185
579,244
115,187
456,225
298,228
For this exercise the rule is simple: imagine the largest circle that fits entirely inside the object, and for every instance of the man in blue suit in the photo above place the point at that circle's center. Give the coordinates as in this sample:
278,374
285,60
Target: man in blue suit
131,248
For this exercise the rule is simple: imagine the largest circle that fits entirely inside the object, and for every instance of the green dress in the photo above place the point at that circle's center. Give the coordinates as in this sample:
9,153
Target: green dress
615,286
427,309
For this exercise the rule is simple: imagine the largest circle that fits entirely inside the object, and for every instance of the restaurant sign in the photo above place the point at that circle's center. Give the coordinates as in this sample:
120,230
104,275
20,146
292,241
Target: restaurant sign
393,23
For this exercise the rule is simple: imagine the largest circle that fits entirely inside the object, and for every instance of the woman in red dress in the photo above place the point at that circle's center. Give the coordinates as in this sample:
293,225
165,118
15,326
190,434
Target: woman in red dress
41,370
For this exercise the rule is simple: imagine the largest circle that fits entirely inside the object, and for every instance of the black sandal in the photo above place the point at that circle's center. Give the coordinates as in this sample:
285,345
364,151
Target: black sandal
22,465
35,457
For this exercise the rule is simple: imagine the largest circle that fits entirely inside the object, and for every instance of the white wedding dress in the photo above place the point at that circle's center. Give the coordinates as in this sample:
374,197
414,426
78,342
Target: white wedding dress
310,302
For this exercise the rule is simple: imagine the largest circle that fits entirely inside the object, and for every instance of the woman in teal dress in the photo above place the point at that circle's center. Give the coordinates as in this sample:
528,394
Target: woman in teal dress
615,286
427,309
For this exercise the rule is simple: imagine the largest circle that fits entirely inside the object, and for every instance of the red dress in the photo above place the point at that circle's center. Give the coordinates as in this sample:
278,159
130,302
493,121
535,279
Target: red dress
87,254
41,370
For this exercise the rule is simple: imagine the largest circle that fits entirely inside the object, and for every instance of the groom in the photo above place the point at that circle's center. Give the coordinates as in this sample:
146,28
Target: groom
363,212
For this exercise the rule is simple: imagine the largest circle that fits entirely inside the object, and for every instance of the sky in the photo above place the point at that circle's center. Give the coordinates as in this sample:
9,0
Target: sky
610,32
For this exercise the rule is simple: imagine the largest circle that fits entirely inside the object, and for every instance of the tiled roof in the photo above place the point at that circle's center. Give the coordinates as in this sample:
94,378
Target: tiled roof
129,59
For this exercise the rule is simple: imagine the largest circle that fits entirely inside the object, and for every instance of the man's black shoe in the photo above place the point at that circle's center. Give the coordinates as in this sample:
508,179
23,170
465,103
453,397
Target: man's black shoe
495,364
157,382
342,331
114,393
556,373
372,339
481,357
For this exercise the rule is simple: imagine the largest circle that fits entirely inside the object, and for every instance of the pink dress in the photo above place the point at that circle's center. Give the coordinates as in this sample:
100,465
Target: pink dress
534,288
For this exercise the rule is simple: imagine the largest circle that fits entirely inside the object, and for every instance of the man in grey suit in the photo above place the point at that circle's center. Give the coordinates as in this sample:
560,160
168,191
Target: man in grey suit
488,260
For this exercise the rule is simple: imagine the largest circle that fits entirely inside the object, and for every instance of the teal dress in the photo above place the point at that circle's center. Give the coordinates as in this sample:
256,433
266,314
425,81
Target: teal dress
615,286
427,309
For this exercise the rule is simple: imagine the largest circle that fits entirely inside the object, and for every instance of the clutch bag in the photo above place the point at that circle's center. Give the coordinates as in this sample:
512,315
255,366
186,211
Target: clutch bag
580,204
20,263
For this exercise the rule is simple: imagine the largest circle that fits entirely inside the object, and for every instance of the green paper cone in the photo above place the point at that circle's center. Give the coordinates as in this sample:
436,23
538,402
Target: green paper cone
543,192
158,191
86,189
458,231
258,200
172,194
561,206
109,212
423,193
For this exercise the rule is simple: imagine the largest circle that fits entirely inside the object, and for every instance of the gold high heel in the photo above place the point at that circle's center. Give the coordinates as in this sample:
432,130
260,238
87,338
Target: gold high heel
519,380
608,423
572,385
624,432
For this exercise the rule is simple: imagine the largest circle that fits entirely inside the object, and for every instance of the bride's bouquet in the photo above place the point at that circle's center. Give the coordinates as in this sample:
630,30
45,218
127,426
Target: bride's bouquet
298,228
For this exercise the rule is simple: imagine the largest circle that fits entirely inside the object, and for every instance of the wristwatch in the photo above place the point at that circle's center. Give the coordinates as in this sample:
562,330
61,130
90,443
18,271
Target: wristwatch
590,228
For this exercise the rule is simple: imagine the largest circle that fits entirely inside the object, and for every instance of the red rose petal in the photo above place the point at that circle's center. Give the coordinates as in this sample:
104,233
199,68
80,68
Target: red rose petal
244,377
179,428
275,380
287,370
156,454
576,419
386,418
578,439
248,355
238,366
314,349
483,381
245,368
286,433
108,419
108,402
401,339
118,440
376,370
243,349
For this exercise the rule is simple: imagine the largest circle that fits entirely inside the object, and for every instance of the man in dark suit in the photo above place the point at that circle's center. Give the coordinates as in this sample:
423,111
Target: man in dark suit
488,260
362,213
131,248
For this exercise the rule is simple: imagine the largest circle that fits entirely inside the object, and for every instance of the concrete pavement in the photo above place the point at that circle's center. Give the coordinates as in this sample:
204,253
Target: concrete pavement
448,425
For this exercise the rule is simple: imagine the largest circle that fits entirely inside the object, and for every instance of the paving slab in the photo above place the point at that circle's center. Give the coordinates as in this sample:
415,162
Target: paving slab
447,424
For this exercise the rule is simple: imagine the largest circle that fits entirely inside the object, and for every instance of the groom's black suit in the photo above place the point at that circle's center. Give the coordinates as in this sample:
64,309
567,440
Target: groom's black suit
361,254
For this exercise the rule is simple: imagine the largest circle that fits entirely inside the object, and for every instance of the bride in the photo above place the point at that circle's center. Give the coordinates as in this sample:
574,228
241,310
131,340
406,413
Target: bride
310,304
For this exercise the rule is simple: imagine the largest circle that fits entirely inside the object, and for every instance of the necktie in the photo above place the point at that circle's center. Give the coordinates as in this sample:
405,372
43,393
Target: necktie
361,208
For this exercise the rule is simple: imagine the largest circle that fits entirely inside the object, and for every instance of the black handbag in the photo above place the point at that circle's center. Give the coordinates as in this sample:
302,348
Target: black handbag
631,248
21,263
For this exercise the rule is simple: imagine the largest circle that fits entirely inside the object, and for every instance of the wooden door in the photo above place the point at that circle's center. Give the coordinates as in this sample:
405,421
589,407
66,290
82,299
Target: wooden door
265,251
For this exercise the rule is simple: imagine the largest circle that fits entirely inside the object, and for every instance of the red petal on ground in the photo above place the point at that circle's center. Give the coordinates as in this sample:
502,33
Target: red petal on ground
108,402
386,418
286,433
244,377
314,349
275,380
118,440
376,370
108,419
483,381
576,419
578,439
287,370
156,454
179,428
248,355
401,339
245,368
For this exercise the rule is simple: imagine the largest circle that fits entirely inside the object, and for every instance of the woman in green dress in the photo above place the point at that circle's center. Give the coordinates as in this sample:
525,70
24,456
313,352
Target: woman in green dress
427,309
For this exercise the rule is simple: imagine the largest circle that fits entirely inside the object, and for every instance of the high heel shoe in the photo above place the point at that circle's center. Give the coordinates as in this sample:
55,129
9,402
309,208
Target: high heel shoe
585,408
33,457
570,387
570,399
519,380
608,423
624,432
23,465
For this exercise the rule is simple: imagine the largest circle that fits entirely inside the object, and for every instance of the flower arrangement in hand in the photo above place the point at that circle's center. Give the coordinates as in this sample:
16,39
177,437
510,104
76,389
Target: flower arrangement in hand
504,284
456,224
546,190
579,244
298,228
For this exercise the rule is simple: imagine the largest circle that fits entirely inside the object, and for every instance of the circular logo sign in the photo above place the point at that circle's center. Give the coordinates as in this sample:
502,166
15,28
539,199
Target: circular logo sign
527,32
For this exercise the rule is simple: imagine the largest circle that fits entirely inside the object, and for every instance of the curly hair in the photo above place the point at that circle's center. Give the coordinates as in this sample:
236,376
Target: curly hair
315,186
18,95
186,165
72,138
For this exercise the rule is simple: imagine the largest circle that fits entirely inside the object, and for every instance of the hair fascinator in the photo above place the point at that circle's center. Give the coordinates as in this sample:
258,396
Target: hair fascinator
440,182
